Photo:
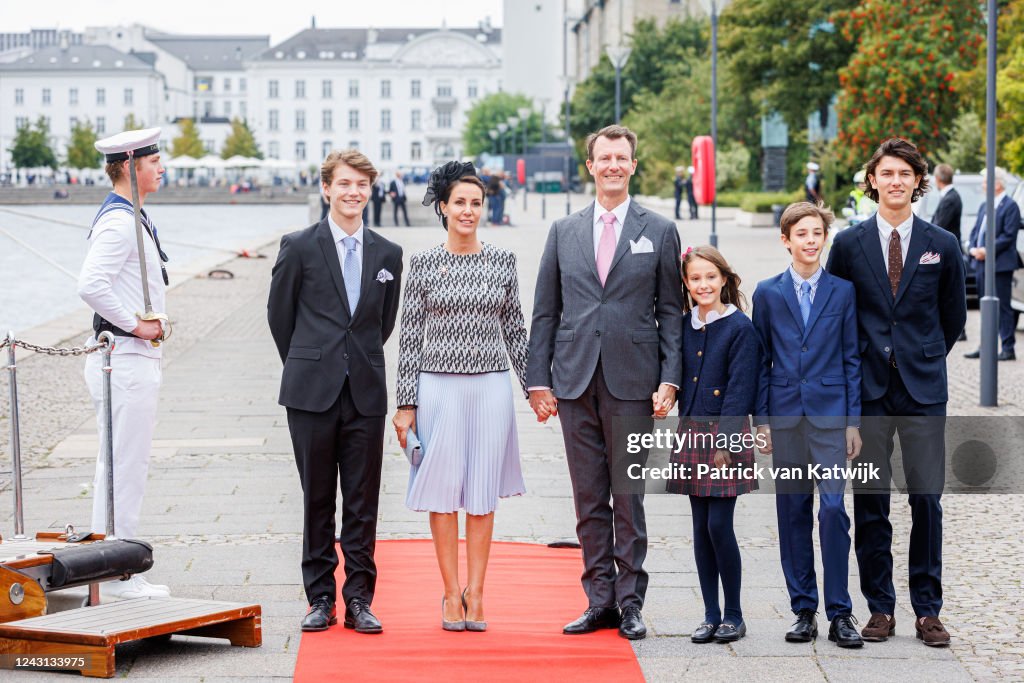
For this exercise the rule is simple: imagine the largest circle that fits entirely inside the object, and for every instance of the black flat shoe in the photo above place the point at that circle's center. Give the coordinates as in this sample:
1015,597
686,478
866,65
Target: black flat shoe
704,633
359,617
843,633
805,628
727,633
593,618
321,615
632,625
973,354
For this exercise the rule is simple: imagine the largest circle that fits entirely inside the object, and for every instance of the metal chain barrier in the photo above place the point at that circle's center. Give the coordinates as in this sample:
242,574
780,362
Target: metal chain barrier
54,351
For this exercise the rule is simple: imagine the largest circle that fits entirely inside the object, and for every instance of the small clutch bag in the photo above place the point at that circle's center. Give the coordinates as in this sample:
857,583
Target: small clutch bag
413,449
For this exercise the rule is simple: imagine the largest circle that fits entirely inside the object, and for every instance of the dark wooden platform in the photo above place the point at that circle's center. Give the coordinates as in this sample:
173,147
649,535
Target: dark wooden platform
92,632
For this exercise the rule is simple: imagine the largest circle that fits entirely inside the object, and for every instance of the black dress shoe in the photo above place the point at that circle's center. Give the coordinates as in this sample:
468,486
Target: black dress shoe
632,625
843,632
805,628
359,617
728,633
704,633
593,618
963,336
1007,355
321,615
976,353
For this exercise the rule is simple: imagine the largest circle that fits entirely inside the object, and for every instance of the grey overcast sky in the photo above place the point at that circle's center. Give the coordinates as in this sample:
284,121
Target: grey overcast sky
278,18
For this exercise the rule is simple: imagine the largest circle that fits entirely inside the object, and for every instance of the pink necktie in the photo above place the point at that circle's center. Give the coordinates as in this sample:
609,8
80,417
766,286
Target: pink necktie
606,247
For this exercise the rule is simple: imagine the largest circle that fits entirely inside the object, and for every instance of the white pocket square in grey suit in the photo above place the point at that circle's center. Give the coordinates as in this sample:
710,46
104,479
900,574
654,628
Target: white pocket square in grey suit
384,275
641,246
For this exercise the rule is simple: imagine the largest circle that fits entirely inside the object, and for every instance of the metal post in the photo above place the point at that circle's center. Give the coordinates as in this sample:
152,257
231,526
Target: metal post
713,239
526,177
565,74
618,93
990,302
108,442
19,511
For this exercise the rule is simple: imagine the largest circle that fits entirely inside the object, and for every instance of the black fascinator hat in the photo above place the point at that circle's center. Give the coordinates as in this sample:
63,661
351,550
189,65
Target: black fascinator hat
441,180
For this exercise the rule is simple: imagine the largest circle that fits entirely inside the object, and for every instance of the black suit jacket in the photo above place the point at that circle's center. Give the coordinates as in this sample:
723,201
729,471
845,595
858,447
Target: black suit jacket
393,191
1007,225
320,343
949,212
921,323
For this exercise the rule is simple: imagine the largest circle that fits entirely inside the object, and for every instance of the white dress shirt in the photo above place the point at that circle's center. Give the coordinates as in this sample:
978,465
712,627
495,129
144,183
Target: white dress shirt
620,218
696,323
904,230
338,234
814,279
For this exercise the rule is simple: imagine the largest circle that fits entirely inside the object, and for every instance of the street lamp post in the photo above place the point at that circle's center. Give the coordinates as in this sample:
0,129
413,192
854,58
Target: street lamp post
493,134
543,166
502,127
568,155
524,116
990,302
619,55
713,7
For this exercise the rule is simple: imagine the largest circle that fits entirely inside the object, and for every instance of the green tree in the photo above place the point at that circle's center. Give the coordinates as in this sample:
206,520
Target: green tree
902,80
31,147
188,142
130,123
240,141
966,149
82,151
492,110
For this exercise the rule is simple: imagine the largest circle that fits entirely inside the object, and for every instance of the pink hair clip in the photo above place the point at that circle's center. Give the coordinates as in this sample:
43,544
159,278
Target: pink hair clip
687,252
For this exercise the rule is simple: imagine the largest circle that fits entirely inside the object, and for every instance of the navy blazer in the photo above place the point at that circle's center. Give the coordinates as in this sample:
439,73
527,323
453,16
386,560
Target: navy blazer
918,326
810,370
1007,225
720,364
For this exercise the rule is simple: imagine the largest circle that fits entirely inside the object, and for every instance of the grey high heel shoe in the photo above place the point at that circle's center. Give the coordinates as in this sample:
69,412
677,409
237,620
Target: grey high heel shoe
477,626
451,625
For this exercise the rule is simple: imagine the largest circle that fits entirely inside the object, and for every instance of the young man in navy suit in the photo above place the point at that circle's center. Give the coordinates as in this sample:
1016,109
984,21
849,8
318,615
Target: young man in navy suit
911,307
809,414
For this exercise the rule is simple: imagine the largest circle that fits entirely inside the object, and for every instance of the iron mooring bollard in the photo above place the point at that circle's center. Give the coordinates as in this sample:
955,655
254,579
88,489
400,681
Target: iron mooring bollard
19,511
108,417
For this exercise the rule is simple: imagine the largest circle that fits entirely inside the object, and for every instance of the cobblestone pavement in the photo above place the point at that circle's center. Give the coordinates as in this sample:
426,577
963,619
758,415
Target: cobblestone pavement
224,507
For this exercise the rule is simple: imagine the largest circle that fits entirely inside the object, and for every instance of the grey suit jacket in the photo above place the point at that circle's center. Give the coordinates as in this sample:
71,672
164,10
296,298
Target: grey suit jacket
634,324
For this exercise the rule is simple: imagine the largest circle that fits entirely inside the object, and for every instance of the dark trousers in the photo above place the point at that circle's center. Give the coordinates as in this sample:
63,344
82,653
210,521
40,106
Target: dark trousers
679,201
921,430
797,448
1007,316
693,207
611,527
717,555
377,206
338,443
399,203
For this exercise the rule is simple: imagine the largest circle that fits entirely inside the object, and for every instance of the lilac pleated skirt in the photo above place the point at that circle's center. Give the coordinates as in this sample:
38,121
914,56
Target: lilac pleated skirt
467,426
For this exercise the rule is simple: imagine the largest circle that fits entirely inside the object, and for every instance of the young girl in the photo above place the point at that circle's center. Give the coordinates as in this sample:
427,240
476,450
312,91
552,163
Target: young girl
720,363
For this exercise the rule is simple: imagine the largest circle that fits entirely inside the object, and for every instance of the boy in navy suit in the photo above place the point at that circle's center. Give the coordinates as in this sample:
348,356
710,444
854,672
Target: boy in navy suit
809,415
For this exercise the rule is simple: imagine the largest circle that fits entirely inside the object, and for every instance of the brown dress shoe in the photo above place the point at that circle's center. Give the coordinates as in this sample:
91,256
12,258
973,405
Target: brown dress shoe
879,628
931,632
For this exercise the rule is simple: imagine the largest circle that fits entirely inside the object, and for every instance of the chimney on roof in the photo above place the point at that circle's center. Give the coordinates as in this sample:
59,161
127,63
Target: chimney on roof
371,36
312,23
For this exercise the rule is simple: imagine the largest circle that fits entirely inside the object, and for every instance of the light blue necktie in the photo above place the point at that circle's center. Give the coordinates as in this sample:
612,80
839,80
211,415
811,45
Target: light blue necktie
352,271
805,300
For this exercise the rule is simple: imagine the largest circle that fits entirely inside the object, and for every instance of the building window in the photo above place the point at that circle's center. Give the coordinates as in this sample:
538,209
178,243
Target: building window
353,88
416,151
19,96
272,119
129,97
209,146
444,119
353,119
273,149
300,151
242,110
326,88
444,88
414,119
241,85
385,151
73,96
227,85
101,96
272,89
46,96
471,90
73,122
227,109
300,120
101,125
21,122
353,144
414,88
325,149
207,109
300,89
385,119
385,89
328,120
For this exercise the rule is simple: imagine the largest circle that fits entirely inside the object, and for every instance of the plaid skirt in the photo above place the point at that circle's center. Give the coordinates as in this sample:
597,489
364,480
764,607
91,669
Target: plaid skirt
698,449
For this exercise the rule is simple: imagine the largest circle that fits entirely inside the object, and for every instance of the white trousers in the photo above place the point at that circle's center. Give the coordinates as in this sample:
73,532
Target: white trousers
134,390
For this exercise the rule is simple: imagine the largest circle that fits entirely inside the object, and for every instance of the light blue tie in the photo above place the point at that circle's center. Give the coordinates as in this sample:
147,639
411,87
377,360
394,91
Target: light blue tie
805,300
352,271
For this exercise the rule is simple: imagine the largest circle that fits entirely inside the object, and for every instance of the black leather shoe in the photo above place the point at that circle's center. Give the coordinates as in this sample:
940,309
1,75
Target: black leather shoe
321,615
1007,355
359,617
963,336
632,625
727,633
593,618
704,633
976,353
843,633
805,628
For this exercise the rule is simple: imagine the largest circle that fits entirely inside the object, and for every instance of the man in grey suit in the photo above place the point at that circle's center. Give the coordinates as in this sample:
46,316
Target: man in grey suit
606,342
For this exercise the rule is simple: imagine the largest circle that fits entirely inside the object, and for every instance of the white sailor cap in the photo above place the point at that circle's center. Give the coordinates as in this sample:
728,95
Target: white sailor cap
140,142
812,166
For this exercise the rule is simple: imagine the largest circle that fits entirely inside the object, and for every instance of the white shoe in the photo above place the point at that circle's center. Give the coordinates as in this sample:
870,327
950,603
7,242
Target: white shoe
135,587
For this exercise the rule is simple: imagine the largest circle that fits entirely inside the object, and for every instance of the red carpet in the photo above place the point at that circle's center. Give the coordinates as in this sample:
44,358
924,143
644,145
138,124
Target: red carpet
531,592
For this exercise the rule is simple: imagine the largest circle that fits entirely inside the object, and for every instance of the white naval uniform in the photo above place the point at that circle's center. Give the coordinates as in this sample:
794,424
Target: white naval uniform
111,284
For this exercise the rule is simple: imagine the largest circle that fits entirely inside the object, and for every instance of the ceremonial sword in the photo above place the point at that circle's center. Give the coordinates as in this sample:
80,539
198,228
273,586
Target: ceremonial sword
149,314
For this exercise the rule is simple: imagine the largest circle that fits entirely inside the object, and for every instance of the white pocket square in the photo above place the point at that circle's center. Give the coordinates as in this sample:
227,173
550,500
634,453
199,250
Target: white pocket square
641,246
384,275
929,257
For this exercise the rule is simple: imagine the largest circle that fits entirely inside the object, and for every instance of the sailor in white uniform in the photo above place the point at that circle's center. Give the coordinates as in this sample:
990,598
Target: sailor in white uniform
111,284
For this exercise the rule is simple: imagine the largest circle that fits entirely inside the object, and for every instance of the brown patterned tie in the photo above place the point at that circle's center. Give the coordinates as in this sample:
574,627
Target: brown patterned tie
895,260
